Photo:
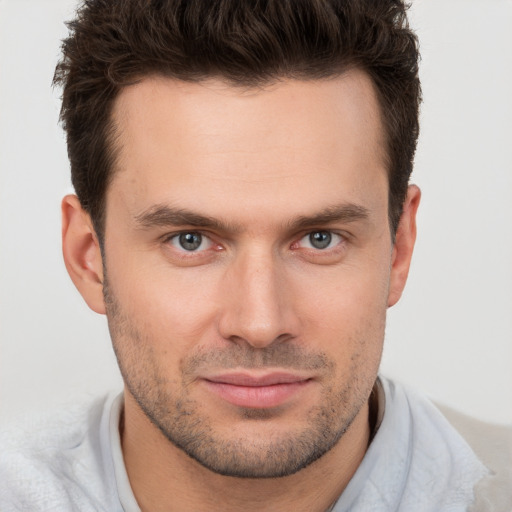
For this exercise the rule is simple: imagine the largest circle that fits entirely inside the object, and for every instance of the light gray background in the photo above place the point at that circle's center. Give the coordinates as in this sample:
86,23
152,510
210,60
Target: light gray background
451,335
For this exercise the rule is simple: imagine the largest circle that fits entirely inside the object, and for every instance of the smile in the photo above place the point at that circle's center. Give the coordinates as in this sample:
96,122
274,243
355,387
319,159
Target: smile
262,391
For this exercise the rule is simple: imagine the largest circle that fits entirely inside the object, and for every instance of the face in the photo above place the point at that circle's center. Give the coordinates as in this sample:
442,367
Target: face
247,265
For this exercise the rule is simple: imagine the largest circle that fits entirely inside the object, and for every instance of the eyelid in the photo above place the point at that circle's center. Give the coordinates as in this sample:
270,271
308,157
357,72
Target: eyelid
343,237
180,231
169,237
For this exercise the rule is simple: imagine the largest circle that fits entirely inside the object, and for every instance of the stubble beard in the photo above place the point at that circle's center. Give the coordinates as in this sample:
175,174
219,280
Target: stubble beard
180,419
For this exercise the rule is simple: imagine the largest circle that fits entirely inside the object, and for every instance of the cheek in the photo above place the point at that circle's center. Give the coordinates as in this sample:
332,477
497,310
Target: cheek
174,306
339,307
350,297
346,314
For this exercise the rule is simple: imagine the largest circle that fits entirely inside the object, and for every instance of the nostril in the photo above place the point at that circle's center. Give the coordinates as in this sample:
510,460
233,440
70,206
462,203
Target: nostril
261,344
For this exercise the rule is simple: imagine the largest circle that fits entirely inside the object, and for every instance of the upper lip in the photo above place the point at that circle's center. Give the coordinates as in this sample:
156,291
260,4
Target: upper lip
252,380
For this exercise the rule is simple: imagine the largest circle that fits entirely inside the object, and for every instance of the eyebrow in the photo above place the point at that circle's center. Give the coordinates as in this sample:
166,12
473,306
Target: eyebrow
163,216
345,213
166,216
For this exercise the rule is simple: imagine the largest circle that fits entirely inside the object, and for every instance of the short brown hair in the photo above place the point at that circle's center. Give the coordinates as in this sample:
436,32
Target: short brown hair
115,43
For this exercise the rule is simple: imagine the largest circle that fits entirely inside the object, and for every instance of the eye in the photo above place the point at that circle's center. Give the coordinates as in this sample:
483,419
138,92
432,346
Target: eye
320,240
190,241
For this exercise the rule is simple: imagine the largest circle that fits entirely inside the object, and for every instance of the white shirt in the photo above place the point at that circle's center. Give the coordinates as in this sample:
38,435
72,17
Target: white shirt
417,462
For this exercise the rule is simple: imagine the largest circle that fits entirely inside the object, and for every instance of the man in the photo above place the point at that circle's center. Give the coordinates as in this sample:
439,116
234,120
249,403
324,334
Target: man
243,218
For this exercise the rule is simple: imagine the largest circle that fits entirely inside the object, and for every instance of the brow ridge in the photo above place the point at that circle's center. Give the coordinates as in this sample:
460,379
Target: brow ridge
162,215
345,213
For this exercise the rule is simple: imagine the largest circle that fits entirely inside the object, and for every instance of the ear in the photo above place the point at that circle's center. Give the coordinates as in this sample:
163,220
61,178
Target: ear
404,245
82,254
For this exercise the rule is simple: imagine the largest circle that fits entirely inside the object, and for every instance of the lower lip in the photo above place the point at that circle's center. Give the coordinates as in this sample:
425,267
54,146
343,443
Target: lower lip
257,397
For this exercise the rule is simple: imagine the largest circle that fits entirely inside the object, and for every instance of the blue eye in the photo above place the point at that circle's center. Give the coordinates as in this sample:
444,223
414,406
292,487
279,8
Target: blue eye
190,241
320,240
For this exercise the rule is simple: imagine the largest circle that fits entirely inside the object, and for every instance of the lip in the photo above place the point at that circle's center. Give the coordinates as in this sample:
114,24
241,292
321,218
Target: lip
257,391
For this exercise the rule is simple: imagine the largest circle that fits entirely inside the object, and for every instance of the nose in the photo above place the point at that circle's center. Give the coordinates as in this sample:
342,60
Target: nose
258,302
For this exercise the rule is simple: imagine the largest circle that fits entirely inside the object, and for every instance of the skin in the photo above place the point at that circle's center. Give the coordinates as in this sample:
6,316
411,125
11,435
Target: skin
260,170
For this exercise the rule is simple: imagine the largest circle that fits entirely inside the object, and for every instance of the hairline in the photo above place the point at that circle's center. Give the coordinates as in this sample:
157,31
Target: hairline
112,133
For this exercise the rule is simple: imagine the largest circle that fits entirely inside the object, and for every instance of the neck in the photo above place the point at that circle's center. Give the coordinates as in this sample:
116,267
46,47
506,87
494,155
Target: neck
164,478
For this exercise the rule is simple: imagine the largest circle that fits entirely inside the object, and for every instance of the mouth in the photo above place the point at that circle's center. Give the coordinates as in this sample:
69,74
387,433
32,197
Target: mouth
257,391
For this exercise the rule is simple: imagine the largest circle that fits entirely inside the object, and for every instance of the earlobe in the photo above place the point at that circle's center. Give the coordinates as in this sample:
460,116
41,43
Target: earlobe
404,245
82,254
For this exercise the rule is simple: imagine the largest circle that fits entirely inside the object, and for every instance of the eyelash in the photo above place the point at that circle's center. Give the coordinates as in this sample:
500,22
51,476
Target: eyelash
332,235
341,240
177,237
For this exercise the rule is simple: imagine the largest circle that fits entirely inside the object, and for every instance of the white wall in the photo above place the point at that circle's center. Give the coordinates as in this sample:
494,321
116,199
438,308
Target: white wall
451,334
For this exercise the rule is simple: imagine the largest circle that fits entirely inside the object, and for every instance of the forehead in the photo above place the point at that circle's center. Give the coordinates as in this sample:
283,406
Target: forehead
210,142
